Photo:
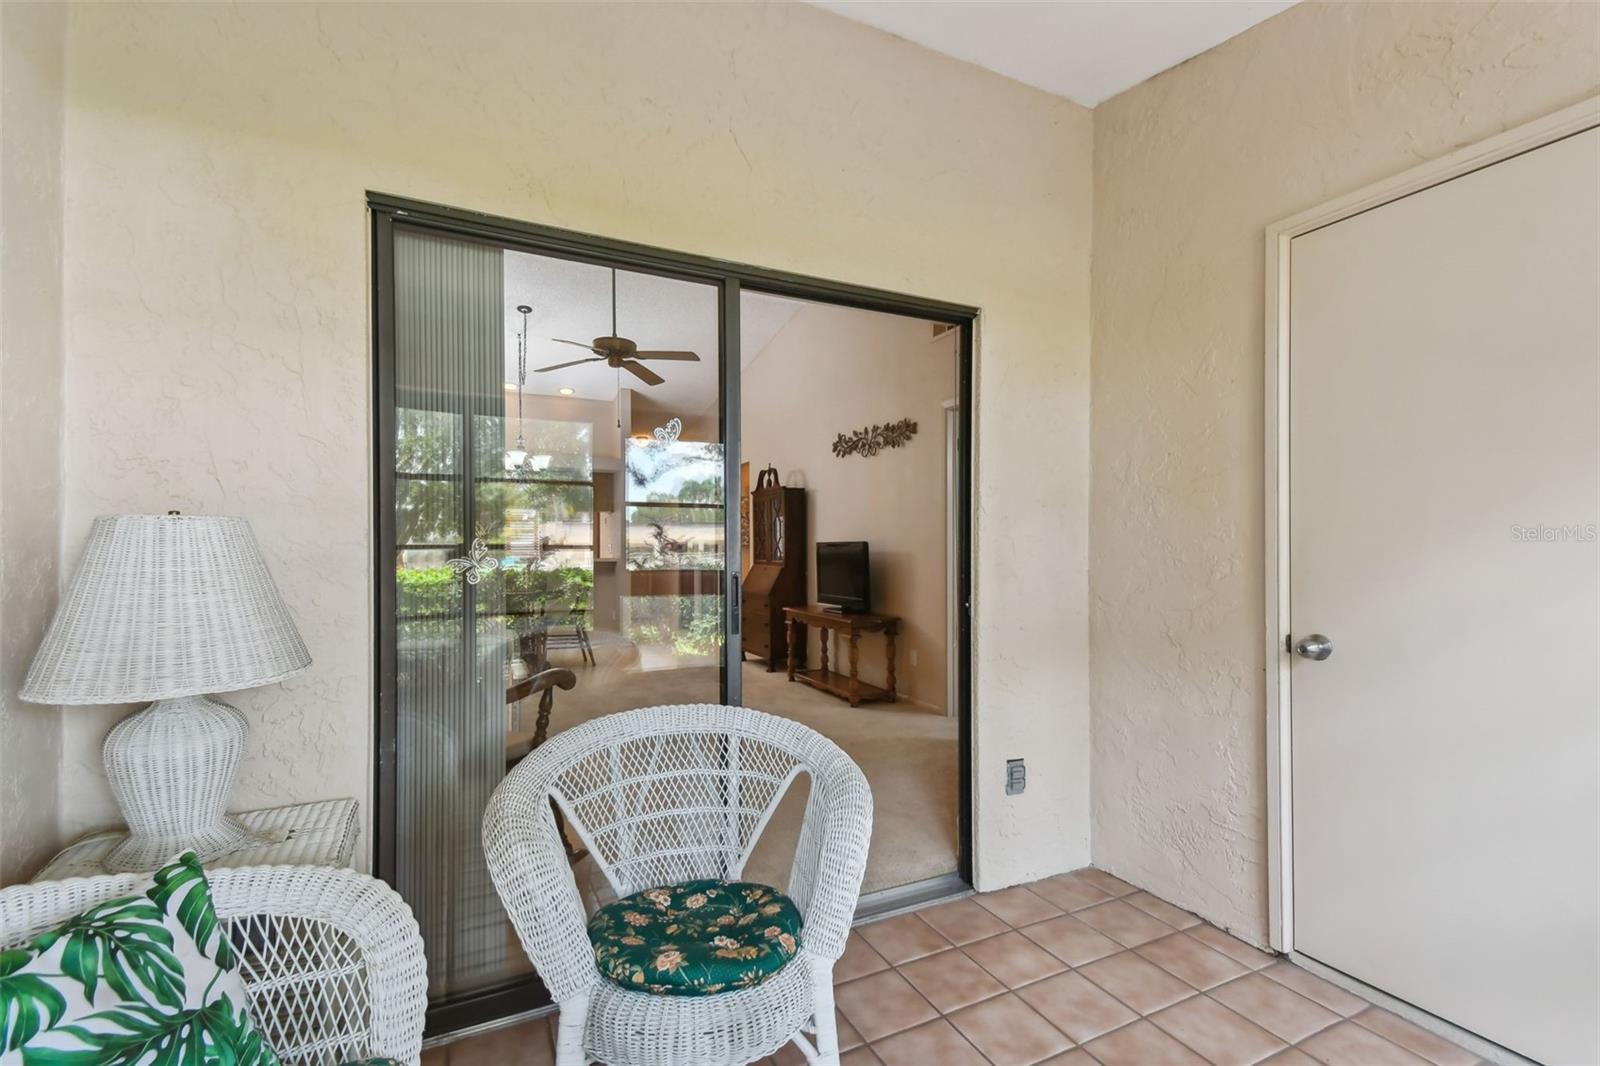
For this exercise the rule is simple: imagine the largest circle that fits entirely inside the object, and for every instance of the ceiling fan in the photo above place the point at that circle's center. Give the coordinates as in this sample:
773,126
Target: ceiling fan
620,352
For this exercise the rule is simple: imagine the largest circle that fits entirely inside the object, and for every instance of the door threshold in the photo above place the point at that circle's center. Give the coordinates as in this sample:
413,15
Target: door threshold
490,1026
888,902
1485,1049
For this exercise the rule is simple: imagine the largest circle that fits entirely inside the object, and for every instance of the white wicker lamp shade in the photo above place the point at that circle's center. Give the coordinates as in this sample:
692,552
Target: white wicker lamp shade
169,608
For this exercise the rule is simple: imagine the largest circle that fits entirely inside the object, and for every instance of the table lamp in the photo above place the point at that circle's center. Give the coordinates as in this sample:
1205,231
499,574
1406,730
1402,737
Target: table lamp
169,608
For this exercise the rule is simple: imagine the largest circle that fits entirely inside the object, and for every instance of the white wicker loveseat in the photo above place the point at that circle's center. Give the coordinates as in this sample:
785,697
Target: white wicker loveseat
666,795
331,959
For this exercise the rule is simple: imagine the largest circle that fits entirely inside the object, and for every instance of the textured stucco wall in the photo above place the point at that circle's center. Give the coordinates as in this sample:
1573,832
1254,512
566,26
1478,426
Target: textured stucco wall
32,40
1190,167
217,302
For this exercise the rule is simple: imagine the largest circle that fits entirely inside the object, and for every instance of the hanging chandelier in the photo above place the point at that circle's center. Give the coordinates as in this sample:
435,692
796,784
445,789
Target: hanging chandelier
517,461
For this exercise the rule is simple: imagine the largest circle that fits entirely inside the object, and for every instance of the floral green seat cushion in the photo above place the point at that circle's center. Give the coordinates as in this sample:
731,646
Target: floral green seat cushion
696,939
140,979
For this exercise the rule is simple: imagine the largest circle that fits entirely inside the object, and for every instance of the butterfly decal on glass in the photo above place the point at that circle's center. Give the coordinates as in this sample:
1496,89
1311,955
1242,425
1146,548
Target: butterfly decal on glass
477,564
667,435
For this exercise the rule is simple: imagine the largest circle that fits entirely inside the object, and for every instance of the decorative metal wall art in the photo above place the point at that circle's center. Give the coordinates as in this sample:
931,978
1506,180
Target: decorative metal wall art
874,439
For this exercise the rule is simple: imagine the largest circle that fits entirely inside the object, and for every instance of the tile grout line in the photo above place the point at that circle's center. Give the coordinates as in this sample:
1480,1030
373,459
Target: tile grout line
1363,1019
1370,1007
1197,992
1337,1017
1006,989
1070,968
1138,1015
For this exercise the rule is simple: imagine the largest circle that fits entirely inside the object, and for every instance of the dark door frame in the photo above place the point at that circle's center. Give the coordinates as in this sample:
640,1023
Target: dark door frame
386,212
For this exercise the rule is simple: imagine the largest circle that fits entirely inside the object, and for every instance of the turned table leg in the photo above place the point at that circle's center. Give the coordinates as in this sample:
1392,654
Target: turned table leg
855,682
889,637
793,654
825,638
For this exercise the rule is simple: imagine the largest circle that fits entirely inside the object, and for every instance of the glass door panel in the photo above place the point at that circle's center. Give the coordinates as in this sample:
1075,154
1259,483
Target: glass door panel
558,504
675,521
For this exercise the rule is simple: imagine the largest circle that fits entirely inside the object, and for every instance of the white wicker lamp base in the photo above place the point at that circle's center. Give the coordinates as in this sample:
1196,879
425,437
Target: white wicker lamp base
171,768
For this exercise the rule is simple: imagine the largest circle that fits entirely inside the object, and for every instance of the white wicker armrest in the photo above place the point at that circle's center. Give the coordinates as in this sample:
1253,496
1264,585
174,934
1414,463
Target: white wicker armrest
831,857
528,863
332,959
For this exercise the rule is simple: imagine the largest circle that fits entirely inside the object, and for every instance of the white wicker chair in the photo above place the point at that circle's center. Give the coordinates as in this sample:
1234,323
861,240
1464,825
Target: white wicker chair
660,796
332,959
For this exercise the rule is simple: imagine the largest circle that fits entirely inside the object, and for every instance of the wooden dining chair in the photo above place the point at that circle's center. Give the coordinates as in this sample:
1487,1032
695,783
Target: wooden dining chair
545,682
520,745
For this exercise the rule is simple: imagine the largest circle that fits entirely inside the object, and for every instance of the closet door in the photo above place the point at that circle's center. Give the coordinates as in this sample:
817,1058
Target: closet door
1444,490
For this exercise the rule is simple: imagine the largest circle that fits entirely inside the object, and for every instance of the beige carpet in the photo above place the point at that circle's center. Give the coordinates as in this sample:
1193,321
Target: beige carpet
907,753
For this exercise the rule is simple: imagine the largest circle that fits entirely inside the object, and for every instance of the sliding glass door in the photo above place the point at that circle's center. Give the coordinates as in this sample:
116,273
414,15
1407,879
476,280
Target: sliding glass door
557,501
557,427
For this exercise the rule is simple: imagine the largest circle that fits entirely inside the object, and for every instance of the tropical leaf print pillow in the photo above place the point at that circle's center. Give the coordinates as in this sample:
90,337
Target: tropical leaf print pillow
147,979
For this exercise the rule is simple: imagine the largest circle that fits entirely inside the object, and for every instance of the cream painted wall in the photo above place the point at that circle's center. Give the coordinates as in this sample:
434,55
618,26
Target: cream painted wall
217,306
831,370
32,40
1190,167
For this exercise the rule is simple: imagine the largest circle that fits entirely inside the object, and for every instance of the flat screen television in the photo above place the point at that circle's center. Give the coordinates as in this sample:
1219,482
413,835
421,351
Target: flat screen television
843,579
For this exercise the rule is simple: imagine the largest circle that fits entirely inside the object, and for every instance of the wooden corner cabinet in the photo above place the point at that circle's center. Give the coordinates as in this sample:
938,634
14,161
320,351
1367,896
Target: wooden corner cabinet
777,577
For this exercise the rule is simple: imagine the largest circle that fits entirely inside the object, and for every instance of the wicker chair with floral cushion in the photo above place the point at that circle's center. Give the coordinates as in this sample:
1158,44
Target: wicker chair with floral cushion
691,966
331,961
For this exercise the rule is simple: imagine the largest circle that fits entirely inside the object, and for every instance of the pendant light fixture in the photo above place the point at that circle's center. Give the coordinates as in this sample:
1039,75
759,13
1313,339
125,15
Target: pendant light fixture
518,462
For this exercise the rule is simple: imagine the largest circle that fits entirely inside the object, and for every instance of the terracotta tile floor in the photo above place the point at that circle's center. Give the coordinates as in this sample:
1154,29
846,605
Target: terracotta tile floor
1074,970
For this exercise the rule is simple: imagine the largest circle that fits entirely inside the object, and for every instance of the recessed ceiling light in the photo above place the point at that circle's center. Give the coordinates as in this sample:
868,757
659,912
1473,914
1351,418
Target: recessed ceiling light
565,390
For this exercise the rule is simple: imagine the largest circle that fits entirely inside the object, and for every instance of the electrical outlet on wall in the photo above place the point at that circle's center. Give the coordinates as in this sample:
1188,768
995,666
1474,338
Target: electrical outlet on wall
1016,776
913,656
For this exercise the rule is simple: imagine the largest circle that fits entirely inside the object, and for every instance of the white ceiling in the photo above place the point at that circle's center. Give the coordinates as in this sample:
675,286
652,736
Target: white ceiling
573,300
1084,50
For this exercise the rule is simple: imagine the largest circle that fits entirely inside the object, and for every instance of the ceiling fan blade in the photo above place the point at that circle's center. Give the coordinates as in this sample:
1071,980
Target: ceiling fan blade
575,362
684,357
580,344
643,373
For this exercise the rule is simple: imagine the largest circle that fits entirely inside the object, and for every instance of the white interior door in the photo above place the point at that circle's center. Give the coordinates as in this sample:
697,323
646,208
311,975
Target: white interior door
1444,479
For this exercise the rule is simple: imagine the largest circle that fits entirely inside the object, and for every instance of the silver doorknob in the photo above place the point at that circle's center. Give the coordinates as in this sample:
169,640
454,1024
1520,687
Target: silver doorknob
1315,647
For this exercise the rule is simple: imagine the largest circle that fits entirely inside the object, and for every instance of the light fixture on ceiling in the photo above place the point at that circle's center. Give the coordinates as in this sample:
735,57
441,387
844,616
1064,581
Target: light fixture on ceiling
518,461
565,390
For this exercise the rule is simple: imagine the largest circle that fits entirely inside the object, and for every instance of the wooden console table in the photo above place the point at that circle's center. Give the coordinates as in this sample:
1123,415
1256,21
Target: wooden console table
845,686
